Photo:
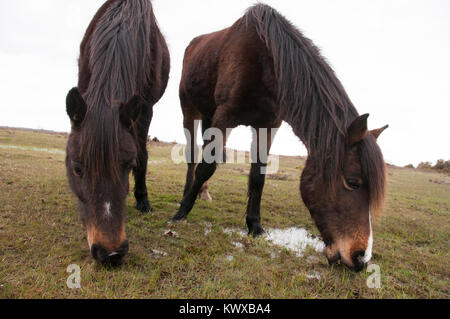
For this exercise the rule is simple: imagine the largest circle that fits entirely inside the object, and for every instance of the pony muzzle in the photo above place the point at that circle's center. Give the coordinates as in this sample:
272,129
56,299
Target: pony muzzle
106,257
354,259
107,251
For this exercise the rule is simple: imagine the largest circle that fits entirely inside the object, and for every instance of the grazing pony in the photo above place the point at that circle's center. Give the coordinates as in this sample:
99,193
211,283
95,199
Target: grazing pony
123,71
259,72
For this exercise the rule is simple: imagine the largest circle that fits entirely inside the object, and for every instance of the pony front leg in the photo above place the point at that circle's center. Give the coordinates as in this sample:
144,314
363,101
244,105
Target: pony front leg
140,171
255,188
140,190
257,179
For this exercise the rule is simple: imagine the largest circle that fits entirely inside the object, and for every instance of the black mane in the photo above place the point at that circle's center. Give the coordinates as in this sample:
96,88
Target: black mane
119,68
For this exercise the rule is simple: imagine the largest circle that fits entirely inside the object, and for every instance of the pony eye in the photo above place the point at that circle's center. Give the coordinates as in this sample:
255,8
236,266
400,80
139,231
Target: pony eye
352,183
76,169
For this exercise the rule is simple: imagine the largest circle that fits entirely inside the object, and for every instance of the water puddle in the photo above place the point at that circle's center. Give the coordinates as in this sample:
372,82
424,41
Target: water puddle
294,239
31,148
58,151
237,231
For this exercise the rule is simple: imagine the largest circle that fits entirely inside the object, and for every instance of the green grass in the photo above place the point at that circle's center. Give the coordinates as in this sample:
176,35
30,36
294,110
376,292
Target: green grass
41,235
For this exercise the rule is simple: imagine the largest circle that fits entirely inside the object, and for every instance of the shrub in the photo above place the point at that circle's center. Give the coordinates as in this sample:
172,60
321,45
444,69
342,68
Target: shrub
426,165
442,166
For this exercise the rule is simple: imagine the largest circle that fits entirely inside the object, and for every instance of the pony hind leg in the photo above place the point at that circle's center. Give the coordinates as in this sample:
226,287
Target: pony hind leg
204,193
140,171
203,171
256,182
190,128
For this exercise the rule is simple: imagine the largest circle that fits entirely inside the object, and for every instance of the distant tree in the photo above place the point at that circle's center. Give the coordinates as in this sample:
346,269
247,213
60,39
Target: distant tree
409,166
442,165
425,165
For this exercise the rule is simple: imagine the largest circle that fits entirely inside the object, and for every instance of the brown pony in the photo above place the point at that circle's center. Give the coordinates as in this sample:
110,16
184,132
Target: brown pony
123,71
261,71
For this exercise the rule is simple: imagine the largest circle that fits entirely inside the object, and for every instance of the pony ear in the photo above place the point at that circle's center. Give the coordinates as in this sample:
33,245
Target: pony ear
378,131
130,111
357,130
75,107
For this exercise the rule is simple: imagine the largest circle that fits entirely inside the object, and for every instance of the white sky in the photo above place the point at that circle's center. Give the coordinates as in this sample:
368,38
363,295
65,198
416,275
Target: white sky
393,58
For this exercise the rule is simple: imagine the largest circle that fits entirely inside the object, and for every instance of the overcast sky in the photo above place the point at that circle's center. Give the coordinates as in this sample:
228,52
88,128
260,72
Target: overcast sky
393,58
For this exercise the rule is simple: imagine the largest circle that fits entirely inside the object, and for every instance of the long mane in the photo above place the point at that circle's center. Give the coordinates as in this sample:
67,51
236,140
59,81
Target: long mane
119,67
313,101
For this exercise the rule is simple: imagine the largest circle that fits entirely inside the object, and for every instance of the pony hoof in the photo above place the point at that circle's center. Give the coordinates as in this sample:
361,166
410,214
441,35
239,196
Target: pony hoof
206,196
257,231
144,206
178,218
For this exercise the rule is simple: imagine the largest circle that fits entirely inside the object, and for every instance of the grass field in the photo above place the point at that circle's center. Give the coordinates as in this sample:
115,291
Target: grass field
41,235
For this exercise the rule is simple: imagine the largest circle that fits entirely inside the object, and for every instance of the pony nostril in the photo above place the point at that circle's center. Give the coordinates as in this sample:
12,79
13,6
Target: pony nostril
114,259
358,255
99,253
334,259
358,260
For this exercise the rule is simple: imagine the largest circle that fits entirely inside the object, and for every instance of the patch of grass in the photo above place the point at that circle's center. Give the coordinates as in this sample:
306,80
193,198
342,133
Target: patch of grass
40,235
